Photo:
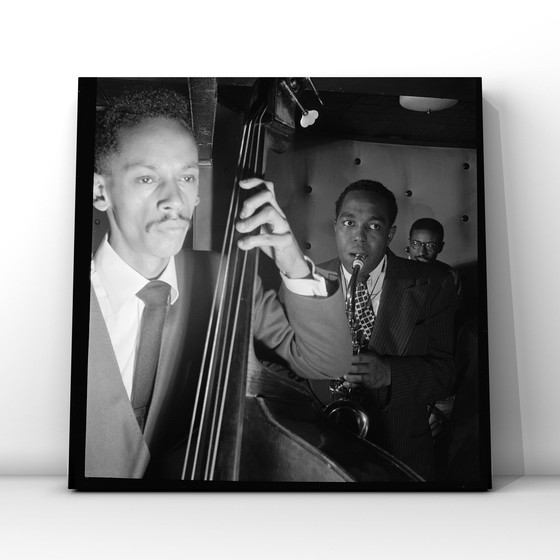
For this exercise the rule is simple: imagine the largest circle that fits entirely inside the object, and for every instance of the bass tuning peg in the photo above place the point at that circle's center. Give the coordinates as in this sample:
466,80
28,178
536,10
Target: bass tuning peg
308,117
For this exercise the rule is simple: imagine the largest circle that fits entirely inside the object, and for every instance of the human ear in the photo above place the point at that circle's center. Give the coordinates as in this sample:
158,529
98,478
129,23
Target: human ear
100,200
392,231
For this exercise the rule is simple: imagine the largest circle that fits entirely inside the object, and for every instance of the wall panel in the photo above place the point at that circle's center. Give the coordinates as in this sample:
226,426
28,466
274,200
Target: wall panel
441,183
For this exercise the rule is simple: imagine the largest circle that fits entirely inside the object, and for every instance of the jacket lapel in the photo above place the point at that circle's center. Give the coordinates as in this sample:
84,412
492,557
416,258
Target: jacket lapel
110,452
402,298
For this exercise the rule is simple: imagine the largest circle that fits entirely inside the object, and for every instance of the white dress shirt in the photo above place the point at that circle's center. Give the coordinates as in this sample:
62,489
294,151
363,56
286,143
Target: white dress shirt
116,284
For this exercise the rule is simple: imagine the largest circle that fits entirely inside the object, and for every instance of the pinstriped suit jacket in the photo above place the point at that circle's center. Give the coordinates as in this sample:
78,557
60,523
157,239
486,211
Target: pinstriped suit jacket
413,332
115,447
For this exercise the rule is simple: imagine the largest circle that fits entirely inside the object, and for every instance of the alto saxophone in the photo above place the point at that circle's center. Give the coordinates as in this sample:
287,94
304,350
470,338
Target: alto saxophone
346,410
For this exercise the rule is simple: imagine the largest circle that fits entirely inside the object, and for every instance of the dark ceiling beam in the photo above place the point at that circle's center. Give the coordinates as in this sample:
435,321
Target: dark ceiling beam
452,88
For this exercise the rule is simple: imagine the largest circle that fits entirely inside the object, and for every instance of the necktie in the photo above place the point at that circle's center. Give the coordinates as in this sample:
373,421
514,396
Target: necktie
154,295
364,311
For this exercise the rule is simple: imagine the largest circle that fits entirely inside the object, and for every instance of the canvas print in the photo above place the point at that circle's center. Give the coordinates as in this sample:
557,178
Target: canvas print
279,284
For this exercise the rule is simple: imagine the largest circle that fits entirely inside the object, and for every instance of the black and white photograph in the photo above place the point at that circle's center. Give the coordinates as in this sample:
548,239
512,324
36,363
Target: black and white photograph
280,284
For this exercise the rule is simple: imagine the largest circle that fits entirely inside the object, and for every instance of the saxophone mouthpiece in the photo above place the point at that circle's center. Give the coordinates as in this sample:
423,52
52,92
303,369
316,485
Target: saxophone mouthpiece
358,261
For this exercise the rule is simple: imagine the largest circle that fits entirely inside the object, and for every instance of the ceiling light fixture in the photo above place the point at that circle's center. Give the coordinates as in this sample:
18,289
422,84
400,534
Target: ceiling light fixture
426,104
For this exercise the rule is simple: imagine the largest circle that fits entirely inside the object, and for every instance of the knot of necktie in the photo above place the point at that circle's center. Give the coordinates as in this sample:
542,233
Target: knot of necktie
155,293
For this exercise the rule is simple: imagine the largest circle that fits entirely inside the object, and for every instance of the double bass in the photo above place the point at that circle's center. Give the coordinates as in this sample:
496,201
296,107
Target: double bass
250,423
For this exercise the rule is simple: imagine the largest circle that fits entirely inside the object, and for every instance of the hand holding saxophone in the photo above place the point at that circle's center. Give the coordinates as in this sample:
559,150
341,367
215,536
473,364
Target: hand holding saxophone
368,370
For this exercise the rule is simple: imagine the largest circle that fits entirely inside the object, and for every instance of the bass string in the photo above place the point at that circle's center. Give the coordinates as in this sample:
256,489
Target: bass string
207,379
235,306
224,341
209,355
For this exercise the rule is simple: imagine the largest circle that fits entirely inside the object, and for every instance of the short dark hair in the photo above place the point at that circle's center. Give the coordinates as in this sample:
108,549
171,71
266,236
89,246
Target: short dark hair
370,186
428,224
131,109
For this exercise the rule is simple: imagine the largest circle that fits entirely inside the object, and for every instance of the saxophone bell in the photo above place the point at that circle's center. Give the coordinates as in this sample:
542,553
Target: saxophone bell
349,414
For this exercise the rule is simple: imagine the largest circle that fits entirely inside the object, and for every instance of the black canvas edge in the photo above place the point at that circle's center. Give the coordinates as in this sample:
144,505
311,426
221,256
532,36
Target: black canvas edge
87,89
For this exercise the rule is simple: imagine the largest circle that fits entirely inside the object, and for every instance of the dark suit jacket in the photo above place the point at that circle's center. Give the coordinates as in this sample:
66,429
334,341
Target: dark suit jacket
413,332
115,446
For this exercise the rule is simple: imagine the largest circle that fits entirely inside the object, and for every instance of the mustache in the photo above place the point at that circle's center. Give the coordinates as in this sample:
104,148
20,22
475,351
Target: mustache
167,218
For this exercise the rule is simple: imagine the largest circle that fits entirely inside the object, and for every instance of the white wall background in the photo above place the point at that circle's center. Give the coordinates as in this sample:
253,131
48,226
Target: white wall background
46,46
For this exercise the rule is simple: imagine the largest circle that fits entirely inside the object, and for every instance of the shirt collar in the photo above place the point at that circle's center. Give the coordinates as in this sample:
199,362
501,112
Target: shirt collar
121,281
373,275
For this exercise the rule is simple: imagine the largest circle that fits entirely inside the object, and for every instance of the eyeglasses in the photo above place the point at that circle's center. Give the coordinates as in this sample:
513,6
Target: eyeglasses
417,244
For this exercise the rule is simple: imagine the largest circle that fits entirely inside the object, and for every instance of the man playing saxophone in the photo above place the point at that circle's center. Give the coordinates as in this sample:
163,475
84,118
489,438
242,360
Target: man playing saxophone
405,313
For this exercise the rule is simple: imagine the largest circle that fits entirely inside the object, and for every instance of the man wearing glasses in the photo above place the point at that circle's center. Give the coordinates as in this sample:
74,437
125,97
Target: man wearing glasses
426,243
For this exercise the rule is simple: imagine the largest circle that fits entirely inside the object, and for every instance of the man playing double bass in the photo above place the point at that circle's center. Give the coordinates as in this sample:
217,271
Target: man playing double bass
149,297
